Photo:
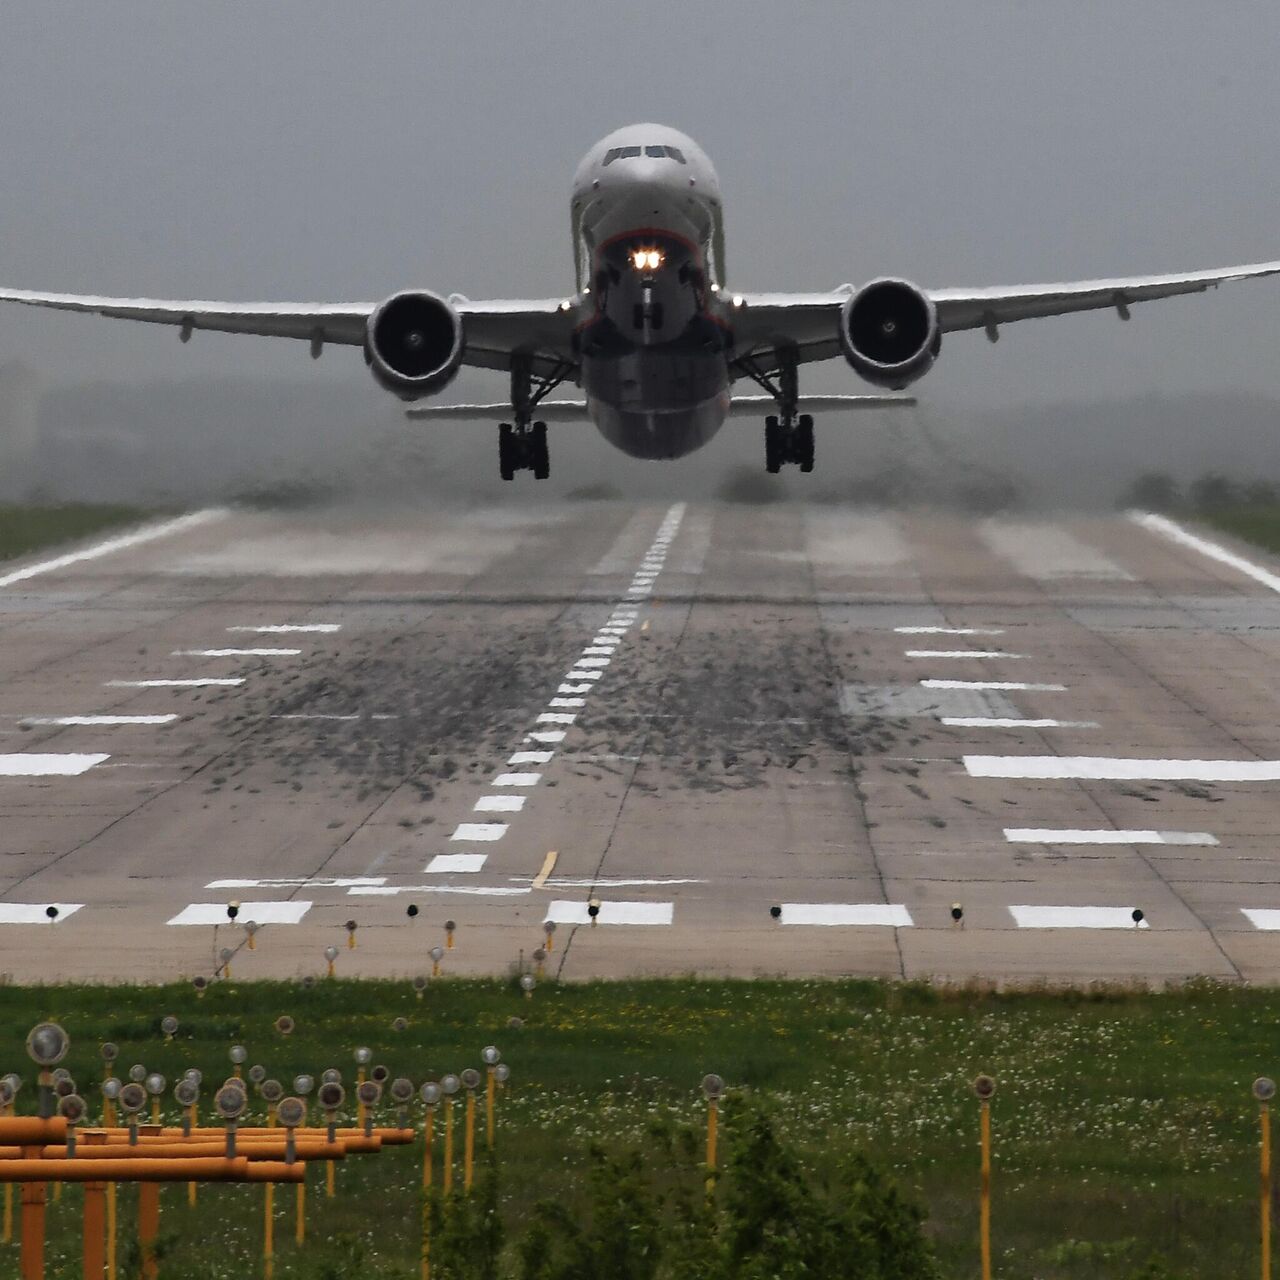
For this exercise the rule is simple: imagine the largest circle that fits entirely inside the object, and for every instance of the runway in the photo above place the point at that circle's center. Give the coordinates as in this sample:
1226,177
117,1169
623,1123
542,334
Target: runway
774,739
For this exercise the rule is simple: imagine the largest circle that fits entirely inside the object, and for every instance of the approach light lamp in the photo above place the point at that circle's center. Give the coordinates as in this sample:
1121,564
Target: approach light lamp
200,982
169,1025
6,1093
957,912
60,1074
272,1091
363,1056
331,1095
712,1087
490,1056
137,1073
368,1093
331,953
47,1044
285,1024
776,911
111,1089
226,955
593,908
984,1087
420,984
380,1073
133,1097
331,1075
1137,915
64,1087
195,1075
308,981
257,1073
411,910
72,1108
527,983
1264,1089
230,1102
186,1093
51,912
155,1084
539,954
291,1112
437,954
430,1093
303,1085
251,927
399,1024
470,1078
502,1073
450,1084
238,1054
549,928
110,1052
401,1090
234,1082
233,910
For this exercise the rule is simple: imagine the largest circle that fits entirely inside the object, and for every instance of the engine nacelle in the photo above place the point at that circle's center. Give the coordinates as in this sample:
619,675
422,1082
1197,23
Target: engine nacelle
889,333
414,343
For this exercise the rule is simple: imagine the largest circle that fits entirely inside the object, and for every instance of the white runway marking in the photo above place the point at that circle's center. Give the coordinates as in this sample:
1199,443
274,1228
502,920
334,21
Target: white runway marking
287,628
545,735
48,765
566,912
556,717
517,780
583,675
468,862
993,684
1003,722
1176,533
1266,918
594,662
960,653
100,720
318,715
575,688
567,702
206,913
235,653
480,832
499,804
126,541
1106,768
36,912
285,882
609,882
474,891
599,650
1048,835
1074,918
531,757
173,684
847,913
949,631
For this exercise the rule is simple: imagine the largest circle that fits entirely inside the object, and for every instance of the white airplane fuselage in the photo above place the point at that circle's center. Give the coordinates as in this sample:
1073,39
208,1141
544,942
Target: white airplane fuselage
653,341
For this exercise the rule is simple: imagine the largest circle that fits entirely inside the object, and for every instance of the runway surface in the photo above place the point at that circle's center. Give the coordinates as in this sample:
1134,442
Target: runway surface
777,739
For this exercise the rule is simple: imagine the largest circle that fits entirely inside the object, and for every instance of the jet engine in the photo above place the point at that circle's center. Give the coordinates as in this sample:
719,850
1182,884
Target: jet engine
413,344
889,333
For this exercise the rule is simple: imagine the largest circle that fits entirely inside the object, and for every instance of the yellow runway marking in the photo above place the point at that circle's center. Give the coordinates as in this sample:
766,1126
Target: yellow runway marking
644,626
548,865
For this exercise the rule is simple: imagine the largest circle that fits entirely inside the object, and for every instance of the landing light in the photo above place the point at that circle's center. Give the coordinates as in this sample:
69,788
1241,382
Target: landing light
646,259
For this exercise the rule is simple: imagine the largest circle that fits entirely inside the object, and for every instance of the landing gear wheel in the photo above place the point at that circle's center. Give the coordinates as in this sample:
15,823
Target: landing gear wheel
506,451
803,452
541,459
772,446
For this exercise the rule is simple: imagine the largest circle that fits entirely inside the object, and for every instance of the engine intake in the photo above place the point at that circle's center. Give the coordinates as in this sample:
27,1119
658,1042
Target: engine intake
889,333
414,344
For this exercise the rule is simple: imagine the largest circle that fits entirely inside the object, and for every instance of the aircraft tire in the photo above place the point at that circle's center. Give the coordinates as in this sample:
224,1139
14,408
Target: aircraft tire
541,454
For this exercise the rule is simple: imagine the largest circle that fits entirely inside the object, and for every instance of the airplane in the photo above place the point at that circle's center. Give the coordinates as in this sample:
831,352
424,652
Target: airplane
651,333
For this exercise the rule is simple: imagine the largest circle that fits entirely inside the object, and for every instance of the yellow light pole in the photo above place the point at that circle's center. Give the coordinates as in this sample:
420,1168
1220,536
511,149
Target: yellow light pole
491,1058
984,1087
330,955
302,1086
186,1093
713,1090
1264,1089
549,928
449,1085
330,1096
430,1093
364,1056
450,926
350,927
471,1082
437,954
8,1091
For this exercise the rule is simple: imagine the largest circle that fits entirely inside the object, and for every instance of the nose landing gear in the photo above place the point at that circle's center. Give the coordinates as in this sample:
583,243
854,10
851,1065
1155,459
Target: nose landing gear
523,447
788,441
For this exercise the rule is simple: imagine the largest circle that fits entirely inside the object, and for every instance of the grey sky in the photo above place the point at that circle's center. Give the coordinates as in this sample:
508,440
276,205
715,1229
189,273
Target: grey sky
334,151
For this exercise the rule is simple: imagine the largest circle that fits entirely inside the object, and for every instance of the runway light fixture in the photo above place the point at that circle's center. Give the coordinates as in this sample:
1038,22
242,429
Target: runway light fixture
169,1025
272,1091
411,910
195,1074
200,982
137,1073
132,1097
257,1073
549,928
47,1044
502,1073
1264,1089
331,1075
330,955
302,1085
436,954
1137,916
957,914
539,959
233,910
155,1084
399,1024
251,929
284,1024
111,1089
776,911
419,985
350,927
450,927
226,955
239,1055
363,1056
490,1056
430,1093
527,984
450,1084
186,1093
52,913
380,1073
108,1052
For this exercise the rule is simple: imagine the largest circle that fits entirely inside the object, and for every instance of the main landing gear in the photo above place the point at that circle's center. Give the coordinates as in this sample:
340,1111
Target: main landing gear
522,444
788,435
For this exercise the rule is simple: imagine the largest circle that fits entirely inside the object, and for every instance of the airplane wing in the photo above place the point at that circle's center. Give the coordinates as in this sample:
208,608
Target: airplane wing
808,322
494,329
576,410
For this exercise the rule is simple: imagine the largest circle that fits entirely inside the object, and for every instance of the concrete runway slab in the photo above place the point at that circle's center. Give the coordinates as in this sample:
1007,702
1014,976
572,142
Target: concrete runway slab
753,733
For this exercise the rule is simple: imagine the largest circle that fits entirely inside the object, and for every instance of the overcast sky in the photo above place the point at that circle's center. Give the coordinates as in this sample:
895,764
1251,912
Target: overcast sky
338,152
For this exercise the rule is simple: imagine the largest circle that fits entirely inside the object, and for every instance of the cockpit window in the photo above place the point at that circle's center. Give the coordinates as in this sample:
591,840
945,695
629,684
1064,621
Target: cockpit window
675,153
658,153
628,153
611,155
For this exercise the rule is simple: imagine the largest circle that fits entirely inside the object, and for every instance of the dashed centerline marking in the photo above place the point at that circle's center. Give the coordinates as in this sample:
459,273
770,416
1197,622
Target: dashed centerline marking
1004,722
1105,768
1007,685
205,682
1050,835
235,653
961,653
499,804
286,628
517,780
99,720
949,631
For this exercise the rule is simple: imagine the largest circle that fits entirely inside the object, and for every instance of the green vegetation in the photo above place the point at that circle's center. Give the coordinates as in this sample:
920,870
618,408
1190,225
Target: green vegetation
24,529
1125,1134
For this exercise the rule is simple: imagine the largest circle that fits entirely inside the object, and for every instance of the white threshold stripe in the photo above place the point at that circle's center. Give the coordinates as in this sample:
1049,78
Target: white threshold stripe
1101,768
517,780
479,832
36,912
557,717
1214,551
582,675
568,702
499,804
610,882
993,684
475,891
574,688
286,882
173,684
949,631
890,914
1075,918
531,757
1068,835
100,720
1003,722
287,628
48,765
322,715
960,653
562,911
464,862
288,912
1266,918
235,653
139,537
546,735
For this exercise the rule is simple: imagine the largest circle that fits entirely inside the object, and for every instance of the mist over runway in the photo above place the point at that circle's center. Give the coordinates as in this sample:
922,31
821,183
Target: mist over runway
693,713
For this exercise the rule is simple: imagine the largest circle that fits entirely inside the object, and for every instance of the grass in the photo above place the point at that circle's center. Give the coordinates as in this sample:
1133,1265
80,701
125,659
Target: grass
1124,1128
1257,523
27,528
